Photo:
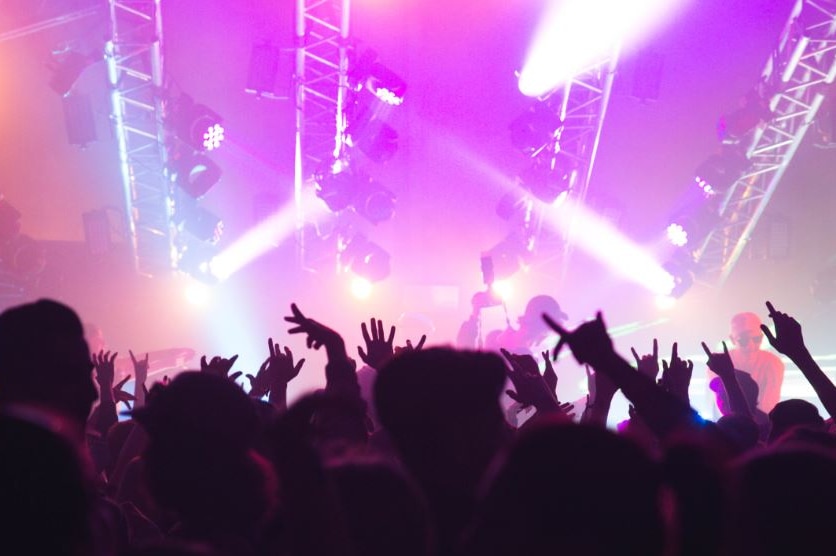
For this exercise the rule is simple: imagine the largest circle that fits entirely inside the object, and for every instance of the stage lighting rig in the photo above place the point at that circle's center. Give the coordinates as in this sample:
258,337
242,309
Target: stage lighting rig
535,128
195,124
369,74
549,178
341,187
364,258
194,173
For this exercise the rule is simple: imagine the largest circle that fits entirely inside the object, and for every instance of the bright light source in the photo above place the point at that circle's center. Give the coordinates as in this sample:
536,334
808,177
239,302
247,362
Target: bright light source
574,35
387,96
665,302
255,242
361,288
677,235
213,137
600,239
197,294
503,289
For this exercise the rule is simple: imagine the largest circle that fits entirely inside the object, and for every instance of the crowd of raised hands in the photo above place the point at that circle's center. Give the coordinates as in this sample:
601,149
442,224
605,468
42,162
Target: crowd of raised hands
411,453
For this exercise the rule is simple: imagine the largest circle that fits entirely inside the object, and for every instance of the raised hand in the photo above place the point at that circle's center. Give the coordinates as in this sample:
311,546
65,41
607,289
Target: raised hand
103,363
549,375
648,365
409,347
590,343
788,338
276,371
219,366
530,387
720,363
260,383
140,367
318,335
120,395
378,350
676,375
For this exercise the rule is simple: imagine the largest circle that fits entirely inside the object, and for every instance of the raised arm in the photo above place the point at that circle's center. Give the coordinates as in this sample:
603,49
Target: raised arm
789,340
590,344
721,365
340,375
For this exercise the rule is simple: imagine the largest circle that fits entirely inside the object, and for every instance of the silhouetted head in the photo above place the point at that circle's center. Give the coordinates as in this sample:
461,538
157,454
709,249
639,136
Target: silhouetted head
438,402
741,430
44,360
573,489
784,503
200,460
440,409
788,414
46,498
531,320
384,511
745,332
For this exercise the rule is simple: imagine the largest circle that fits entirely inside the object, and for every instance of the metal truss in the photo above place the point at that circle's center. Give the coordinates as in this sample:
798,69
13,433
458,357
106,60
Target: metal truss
135,70
581,105
795,78
322,28
321,88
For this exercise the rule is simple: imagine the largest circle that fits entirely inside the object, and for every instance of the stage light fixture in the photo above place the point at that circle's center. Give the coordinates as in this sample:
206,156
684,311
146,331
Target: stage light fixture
377,140
733,127
338,189
67,66
374,202
196,124
681,268
548,178
509,256
534,129
365,258
79,121
195,259
677,234
195,173
716,174
386,85
197,220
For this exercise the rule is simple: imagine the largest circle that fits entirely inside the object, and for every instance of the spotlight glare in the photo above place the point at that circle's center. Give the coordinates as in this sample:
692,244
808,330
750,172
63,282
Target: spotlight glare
572,36
503,289
665,302
677,235
197,294
361,288
213,137
596,236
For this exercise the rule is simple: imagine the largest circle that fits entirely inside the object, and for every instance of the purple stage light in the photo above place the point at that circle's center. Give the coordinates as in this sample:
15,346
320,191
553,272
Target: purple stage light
213,137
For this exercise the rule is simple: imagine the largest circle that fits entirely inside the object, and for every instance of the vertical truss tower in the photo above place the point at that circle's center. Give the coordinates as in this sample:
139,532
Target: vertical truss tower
135,70
321,85
796,77
581,105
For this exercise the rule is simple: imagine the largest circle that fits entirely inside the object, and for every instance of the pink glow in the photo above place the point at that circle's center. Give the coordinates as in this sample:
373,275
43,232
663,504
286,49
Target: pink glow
575,35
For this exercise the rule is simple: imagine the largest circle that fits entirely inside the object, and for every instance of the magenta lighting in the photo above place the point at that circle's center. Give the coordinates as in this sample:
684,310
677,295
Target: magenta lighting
574,35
